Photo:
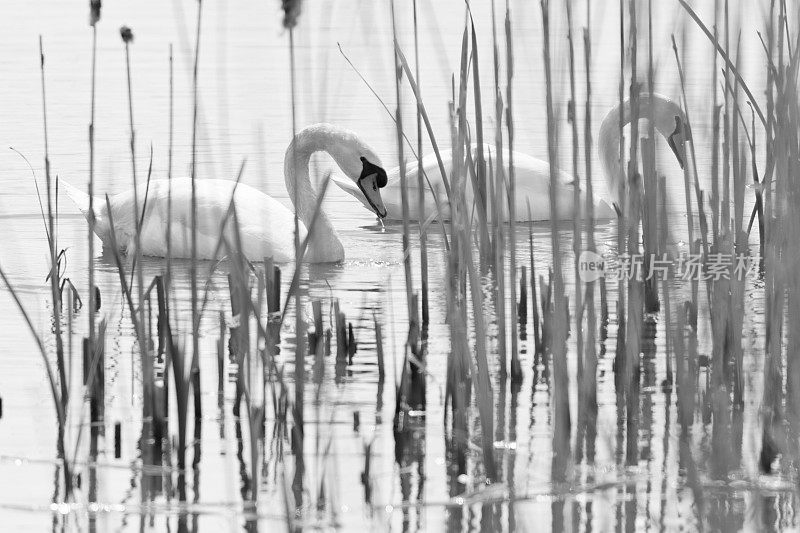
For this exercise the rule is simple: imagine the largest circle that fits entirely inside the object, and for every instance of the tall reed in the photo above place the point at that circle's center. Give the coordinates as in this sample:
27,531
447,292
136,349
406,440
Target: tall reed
94,18
423,238
55,290
557,331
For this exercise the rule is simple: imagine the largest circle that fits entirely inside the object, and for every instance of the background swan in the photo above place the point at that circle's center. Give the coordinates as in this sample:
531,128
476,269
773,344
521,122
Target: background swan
533,175
266,225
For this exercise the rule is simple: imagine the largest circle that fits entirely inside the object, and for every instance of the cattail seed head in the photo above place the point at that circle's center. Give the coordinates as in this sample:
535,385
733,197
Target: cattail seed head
126,33
291,12
94,11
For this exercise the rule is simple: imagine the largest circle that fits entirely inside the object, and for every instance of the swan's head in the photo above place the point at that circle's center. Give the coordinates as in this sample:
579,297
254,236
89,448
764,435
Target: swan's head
677,138
371,180
361,165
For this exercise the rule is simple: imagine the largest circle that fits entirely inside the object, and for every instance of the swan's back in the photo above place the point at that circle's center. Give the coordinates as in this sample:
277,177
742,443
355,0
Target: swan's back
264,223
532,183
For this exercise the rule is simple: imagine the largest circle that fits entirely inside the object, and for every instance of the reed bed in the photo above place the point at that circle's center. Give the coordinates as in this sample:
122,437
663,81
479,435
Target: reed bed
285,440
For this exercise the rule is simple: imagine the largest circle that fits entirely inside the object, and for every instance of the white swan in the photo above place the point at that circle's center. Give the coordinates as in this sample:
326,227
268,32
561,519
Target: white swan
266,225
533,175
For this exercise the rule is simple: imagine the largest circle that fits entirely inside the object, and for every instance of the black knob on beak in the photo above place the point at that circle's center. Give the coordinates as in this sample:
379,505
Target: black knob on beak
380,175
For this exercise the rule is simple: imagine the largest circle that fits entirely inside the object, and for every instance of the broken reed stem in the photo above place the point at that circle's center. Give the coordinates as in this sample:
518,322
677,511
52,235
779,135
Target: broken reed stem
537,340
221,362
663,233
63,397
379,349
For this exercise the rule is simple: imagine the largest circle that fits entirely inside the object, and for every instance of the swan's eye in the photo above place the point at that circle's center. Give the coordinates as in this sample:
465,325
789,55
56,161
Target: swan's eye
374,187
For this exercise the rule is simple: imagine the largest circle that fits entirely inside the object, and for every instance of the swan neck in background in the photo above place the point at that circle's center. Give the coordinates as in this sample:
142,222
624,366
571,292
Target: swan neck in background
608,142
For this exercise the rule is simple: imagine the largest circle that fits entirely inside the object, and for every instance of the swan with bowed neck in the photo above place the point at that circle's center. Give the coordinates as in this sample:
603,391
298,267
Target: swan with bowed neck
533,175
266,226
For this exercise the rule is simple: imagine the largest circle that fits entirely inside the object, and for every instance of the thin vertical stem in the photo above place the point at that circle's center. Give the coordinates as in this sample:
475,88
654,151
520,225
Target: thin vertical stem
298,440
577,243
516,370
92,309
169,174
403,179
195,365
63,398
423,238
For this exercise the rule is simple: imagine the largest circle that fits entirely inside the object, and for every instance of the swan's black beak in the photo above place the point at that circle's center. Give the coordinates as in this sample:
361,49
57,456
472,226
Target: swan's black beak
677,142
372,179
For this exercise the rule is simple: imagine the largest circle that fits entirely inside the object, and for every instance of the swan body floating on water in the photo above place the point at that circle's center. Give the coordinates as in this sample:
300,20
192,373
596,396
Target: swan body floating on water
533,175
266,226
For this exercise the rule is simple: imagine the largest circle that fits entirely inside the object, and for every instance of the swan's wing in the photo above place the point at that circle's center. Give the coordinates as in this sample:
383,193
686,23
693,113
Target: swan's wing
264,223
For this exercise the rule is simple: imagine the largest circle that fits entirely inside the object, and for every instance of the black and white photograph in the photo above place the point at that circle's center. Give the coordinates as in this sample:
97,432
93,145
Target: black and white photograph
399,265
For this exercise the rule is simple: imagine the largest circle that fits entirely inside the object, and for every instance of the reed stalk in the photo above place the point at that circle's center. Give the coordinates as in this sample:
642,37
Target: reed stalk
622,196
403,178
560,393
501,191
195,363
423,237
650,185
52,376
686,138
55,292
577,239
480,188
589,384
730,68
94,17
537,340
516,368
291,12
168,283
715,207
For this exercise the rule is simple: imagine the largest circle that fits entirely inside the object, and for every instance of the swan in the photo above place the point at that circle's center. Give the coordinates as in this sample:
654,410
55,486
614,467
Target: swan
266,226
533,175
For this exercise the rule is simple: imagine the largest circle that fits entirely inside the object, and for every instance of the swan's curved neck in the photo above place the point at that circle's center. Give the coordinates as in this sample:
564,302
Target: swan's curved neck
345,148
664,112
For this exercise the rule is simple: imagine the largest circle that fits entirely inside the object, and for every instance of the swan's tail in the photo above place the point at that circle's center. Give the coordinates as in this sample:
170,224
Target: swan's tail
78,197
81,201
